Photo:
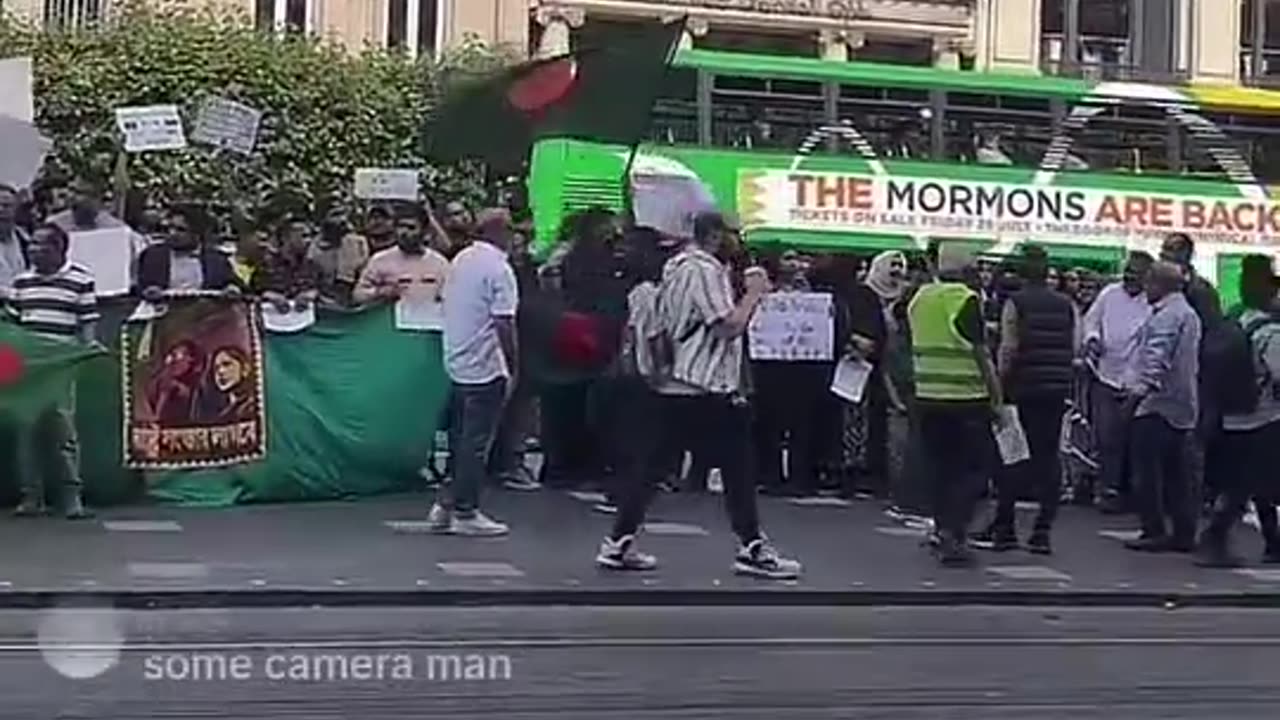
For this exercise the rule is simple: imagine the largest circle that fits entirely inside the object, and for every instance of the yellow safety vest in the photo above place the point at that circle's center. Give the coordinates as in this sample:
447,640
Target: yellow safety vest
944,363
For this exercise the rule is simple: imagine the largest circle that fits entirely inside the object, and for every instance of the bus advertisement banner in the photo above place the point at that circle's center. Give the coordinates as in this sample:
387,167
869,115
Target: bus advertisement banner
835,202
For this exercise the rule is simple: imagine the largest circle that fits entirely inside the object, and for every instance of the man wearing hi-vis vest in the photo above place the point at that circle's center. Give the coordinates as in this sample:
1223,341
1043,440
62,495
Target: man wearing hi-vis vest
957,390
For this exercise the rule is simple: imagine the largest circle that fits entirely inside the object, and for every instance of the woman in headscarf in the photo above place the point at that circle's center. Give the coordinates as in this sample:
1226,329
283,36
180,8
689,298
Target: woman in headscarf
889,387
890,281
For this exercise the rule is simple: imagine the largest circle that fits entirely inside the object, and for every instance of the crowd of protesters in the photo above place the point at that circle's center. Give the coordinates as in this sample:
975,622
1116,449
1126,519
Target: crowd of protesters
623,352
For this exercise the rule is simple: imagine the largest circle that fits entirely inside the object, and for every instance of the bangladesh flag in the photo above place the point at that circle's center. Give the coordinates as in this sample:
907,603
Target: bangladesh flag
36,371
604,94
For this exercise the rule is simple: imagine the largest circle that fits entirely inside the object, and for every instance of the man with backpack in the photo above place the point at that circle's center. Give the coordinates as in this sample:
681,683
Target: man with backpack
697,340
1250,445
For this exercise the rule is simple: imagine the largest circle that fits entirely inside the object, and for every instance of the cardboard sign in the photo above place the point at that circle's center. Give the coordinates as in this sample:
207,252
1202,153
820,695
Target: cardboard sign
15,89
386,184
155,127
793,326
227,124
108,254
22,151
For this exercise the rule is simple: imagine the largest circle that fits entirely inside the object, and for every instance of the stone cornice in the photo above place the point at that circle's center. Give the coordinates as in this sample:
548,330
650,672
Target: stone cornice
881,17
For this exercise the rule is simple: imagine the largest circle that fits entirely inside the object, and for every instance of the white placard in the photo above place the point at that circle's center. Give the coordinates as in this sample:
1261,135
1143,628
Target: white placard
1011,440
108,254
850,379
15,89
420,312
386,184
793,326
146,310
227,124
155,127
22,151
293,321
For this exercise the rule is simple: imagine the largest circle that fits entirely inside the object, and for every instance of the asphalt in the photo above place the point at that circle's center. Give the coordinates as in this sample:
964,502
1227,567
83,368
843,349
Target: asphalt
641,663
375,552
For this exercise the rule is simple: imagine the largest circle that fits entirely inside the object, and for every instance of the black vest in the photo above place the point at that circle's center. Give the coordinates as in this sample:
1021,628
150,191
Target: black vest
1046,343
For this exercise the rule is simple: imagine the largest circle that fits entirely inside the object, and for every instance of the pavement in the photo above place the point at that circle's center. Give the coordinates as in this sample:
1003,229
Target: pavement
376,552
642,663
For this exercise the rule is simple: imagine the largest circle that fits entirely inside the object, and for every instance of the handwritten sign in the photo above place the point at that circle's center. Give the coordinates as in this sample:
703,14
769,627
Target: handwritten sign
420,312
386,184
154,127
227,124
793,326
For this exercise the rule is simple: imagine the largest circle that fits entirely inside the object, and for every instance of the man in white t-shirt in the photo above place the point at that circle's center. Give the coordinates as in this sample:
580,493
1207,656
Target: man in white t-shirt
481,358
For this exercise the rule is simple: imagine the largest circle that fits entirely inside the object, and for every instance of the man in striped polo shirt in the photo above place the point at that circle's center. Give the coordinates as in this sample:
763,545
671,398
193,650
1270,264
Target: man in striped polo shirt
55,298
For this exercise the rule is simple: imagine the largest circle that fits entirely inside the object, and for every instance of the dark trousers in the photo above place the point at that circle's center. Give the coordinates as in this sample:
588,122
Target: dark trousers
570,441
477,411
507,458
957,438
910,474
1112,430
1041,475
721,427
1245,470
875,475
1163,480
785,410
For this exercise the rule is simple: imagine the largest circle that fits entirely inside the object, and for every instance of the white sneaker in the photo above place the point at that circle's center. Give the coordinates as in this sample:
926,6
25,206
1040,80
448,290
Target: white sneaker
479,525
619,555
760,559
440,520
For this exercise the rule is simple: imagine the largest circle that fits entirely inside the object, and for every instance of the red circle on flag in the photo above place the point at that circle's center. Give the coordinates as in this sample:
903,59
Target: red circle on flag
544,85
11,366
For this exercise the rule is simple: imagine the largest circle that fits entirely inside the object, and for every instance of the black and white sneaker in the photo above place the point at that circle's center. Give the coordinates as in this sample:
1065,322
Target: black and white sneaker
760,559
620,555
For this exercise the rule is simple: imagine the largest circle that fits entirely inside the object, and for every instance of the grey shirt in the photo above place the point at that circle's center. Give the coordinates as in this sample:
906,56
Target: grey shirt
1167,364
12,261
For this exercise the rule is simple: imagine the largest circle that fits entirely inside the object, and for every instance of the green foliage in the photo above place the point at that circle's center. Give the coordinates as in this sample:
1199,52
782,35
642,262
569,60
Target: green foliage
326,110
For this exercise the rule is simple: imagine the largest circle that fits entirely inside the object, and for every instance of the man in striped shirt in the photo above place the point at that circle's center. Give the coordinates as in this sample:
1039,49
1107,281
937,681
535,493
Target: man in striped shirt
699,334
55,298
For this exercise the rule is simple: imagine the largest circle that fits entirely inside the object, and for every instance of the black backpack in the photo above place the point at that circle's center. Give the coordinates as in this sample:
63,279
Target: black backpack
1231,362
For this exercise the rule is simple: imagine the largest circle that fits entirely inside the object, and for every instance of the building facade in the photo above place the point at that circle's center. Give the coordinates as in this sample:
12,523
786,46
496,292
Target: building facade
1158,40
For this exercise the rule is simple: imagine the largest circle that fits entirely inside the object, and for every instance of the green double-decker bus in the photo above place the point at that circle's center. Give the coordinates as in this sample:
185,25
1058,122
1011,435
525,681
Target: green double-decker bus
860,157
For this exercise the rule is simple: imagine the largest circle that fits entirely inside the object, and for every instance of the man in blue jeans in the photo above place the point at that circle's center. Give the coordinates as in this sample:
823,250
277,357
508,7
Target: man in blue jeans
481,357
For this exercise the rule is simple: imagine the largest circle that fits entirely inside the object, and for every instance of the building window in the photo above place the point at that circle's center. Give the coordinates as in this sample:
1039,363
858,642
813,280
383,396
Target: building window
290,15
414,26
73,13
428,26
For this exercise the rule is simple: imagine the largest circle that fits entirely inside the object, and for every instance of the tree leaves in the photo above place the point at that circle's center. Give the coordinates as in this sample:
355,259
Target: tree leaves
327,111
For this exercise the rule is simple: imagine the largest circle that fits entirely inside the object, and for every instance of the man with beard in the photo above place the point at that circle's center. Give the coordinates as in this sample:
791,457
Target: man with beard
409,266
340,256
183,262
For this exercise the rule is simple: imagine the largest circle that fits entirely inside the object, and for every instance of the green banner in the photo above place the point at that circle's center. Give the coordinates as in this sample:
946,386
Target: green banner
352,407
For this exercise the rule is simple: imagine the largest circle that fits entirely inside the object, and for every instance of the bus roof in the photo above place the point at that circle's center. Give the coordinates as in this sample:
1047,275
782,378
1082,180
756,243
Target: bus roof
914,77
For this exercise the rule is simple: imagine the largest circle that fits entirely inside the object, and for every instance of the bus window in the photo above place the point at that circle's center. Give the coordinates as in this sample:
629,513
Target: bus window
675,113
754,114
997,130
890,119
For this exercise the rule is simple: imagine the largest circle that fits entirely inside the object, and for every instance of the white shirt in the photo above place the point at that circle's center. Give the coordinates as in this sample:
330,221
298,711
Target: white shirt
1114,319
481,287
